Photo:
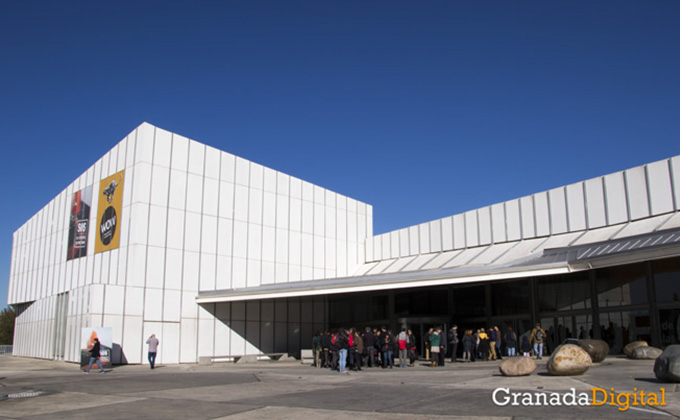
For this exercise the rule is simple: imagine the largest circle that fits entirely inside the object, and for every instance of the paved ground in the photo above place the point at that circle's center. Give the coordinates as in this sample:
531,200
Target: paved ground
39,389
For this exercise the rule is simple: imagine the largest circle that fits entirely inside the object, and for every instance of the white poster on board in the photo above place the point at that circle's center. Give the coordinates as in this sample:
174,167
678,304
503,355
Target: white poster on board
105,337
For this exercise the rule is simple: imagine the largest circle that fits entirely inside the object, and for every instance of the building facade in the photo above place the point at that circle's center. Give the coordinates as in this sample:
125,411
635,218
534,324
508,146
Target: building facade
219,256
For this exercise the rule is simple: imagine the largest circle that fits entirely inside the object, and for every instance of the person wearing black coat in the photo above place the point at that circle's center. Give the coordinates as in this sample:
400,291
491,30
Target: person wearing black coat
326,348
94,357
369,347
510,339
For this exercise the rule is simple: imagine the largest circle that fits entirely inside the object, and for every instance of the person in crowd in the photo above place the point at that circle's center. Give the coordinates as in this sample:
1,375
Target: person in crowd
492,343
369,347
411,348
525,346
483,345
428,345
358,349
538,338
335,351
343,343
499,341
317,349
453,343
387,349
442,347
477,354
403,340
326,348
510,341
378,332
435,342
468,345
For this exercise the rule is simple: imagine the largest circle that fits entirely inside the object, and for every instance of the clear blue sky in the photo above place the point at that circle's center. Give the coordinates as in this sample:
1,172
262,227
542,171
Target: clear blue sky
422,109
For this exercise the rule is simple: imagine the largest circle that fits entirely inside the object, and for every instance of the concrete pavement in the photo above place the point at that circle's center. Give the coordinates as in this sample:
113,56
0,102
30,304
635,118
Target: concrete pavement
40,389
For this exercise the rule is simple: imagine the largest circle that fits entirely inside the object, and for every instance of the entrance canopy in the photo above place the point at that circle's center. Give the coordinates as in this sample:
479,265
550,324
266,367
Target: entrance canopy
648,239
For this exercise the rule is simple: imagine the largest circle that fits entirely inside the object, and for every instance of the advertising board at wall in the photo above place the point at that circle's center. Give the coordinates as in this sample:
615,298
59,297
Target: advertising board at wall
79,223
108,213
105,337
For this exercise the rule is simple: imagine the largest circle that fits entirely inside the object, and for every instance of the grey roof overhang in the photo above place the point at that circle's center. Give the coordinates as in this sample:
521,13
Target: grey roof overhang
648,246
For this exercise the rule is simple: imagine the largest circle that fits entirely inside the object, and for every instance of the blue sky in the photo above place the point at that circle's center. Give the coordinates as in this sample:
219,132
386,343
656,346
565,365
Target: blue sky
422,109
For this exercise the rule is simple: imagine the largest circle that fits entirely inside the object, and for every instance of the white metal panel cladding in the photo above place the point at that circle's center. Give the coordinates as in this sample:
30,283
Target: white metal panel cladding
576,207
617,209
558,211
471,229
660,187
484,225
636,183
498,222
526,206
675,180
595,207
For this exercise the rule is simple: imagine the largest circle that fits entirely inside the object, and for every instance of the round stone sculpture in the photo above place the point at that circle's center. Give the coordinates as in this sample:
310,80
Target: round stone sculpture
569,360
630,347
517,366
596,349
667,366
646,352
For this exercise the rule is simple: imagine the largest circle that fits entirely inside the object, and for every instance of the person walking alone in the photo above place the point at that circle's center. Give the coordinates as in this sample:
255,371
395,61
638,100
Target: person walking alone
153,349
94,357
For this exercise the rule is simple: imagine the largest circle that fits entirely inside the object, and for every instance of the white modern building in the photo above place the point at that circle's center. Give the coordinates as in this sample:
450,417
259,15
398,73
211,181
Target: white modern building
220,256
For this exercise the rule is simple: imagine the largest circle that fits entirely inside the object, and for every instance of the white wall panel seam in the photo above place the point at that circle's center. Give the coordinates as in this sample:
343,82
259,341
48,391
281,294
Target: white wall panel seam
534,215
649,193
566,208
167,227
148,231
606,201
247,227
626,191
671,171
233,224
124,273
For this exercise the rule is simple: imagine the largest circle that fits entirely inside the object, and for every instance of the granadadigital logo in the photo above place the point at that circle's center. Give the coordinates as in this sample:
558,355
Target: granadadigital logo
600,396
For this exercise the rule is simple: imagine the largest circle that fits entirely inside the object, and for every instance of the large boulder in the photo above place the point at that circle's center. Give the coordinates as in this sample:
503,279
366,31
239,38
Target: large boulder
630,348
646,352
667,366
569,360
596,349
517,366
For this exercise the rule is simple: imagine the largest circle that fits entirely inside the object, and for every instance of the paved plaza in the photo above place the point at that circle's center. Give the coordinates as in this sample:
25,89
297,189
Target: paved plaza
40,389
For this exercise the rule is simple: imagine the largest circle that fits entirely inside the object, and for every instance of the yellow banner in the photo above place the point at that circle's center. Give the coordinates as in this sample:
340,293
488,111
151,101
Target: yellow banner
108,213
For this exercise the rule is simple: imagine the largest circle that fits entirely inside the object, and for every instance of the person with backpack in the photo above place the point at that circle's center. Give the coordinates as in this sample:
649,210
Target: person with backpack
538,338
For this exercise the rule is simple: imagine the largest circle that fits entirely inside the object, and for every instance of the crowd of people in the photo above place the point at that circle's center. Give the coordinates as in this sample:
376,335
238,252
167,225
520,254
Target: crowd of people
347,349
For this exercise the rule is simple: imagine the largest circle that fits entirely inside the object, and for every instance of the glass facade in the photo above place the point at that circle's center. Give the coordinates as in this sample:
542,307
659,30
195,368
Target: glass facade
619,304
